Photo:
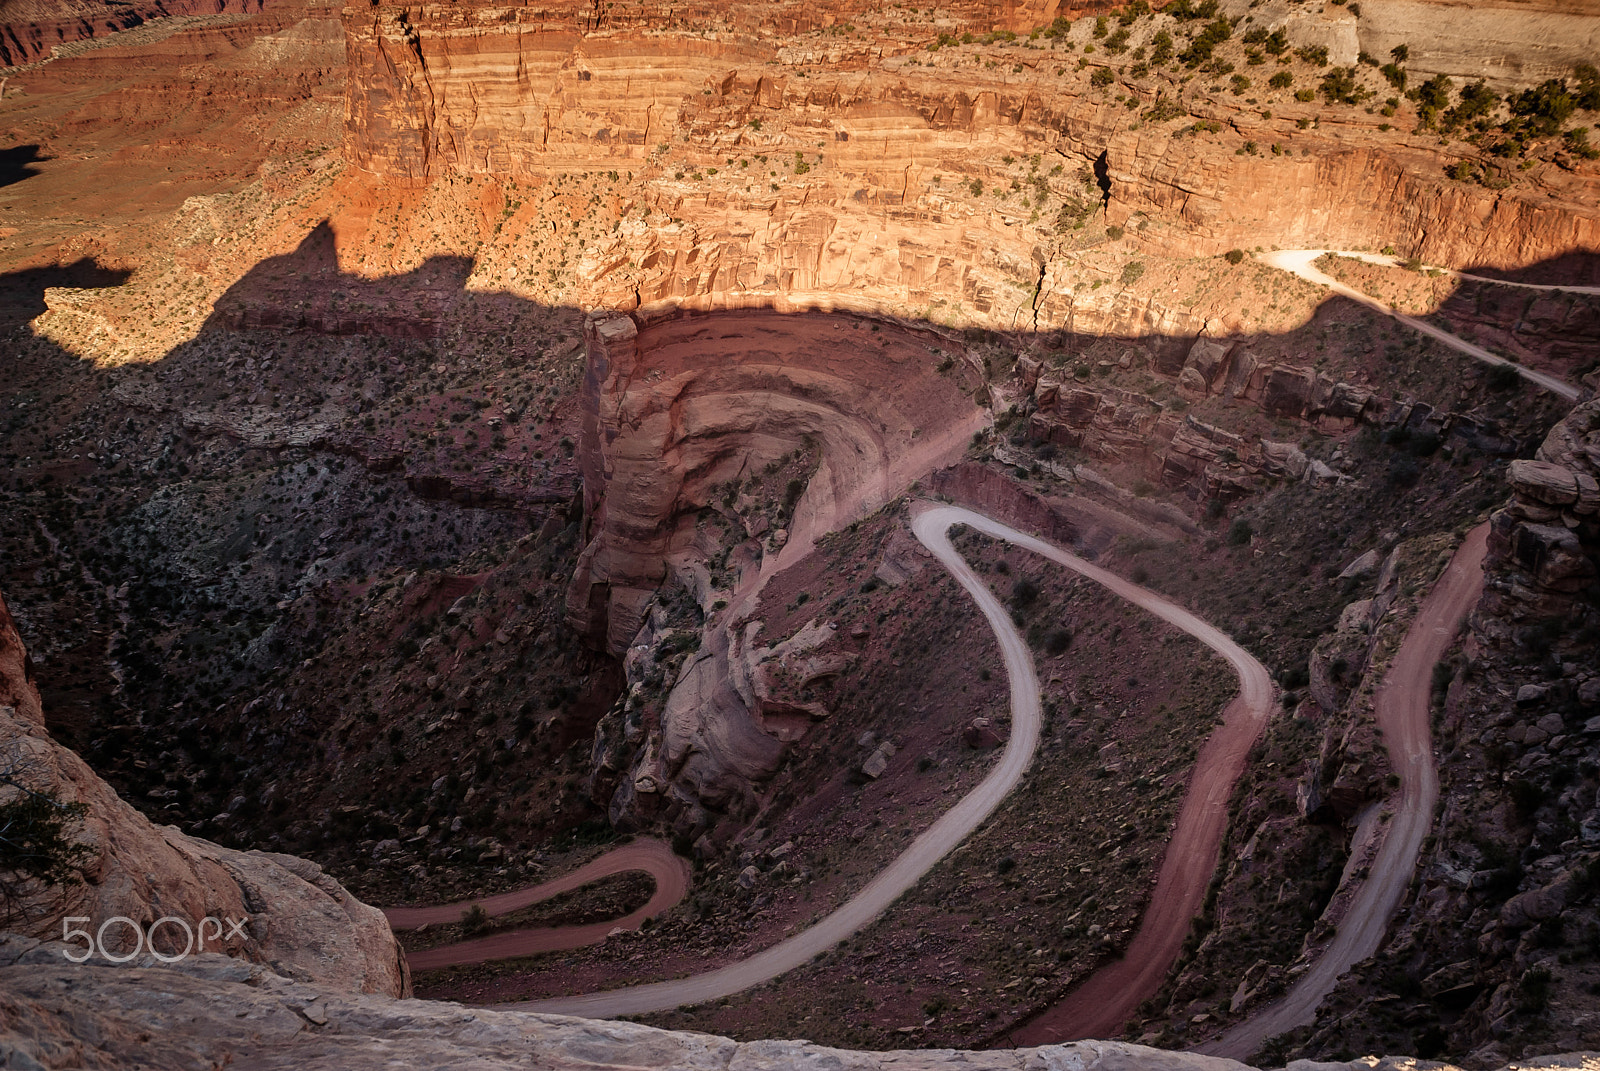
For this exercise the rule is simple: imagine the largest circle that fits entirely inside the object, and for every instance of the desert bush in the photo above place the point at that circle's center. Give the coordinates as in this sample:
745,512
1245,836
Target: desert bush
474,921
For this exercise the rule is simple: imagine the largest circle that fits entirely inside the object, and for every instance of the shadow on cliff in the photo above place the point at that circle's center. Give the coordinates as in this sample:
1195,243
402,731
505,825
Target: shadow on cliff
305,294
307,290
16,163
1569,269
22,292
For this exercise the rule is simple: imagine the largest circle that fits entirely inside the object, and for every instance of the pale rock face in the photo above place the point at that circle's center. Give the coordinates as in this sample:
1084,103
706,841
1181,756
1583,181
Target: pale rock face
301,922
210,1011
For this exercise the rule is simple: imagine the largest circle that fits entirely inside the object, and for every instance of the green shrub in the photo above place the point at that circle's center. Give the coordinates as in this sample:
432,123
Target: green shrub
1577,143
1206,41
1533,991
1189,10
1102,77
1339,86
1132,272
1239,532
1544,108
1281,80
1234,256
1161,49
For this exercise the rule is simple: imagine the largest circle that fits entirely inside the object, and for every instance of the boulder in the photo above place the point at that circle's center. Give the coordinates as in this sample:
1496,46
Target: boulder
1203,366
295,918
878,761
1541,481
1284,459
1554,556
1288,391
1364,566
1240,370
1536,905
1530,694
980,735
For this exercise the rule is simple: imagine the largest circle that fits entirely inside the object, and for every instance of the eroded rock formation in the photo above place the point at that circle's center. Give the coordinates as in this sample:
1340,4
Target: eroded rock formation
678,404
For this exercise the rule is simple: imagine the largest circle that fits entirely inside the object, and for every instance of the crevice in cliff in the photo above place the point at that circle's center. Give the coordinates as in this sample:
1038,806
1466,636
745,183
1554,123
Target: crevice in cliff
1102,177
1038,292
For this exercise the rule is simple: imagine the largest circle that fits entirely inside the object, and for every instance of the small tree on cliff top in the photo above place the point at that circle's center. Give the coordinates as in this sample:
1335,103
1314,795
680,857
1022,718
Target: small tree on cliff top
39,849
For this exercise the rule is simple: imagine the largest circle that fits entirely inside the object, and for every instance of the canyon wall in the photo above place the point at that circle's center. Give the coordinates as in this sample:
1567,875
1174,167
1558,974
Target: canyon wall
677,405
892,146
34,28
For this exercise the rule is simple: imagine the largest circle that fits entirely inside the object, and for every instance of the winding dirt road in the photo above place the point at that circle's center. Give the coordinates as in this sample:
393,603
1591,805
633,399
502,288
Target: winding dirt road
1300,262
1401,707
653,857
1189,862
1101,1006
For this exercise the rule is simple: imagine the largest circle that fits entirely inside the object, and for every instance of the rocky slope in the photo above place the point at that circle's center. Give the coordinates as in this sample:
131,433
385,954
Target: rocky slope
300,921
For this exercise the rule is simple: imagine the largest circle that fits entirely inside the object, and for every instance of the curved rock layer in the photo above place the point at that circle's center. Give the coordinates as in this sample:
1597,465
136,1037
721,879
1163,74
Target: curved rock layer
299,920
677,404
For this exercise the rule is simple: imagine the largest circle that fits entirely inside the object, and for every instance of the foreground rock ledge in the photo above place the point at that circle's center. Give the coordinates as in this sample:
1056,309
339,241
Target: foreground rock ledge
211,1011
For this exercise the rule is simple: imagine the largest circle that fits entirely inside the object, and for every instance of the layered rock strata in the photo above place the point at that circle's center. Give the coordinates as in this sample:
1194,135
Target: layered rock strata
676,405
888,135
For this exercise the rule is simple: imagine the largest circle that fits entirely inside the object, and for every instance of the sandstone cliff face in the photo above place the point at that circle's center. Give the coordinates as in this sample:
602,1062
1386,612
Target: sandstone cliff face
889,137
679,409
1186,453
1506,872
301,922
1544,544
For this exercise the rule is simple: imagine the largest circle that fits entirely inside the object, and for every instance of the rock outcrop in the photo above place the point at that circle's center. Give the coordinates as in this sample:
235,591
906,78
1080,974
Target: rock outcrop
1186,453
1545,544
887,153
300,921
